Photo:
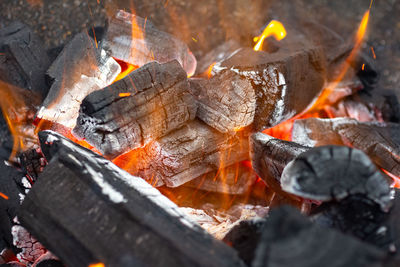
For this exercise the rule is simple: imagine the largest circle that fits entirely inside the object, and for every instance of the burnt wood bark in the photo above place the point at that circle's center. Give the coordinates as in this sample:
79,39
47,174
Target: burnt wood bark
226,102
103,214
284,82
23,59
185,154
333,173
80,69
380,141
151,102
137,41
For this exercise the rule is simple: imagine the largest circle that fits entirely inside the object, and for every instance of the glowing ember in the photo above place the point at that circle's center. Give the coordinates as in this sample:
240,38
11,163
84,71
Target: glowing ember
3,196
97,265
124,94
373,52
274,28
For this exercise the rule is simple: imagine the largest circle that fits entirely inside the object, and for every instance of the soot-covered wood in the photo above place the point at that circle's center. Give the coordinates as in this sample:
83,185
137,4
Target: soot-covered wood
333,173
185,154
23,59
146,105
289,239
226,102
284,82
86,210
380,141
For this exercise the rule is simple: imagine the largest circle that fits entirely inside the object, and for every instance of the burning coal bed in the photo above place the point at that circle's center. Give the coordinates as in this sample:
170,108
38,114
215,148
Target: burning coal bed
126,150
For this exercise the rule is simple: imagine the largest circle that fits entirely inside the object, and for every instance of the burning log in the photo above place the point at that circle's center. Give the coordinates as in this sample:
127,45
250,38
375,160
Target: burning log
148,104
185,154
137,41
103,214
285,82
380,141
269,156
23,59
333,173
80,69
289,239
32,163
226,102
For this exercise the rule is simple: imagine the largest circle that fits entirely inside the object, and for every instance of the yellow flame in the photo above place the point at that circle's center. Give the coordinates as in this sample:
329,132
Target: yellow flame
274,28
97,265
126,72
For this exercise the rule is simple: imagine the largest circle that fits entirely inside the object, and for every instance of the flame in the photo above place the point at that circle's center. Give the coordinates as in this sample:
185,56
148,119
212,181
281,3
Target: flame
396,179
126,69
209,70
373,52
97,265
124,94
274,28
3,196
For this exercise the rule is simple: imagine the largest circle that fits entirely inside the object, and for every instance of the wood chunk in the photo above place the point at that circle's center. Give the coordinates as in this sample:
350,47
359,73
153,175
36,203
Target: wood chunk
80,69
289,239
146,105
330,173
285,82
185,154
270,155
226,102
380,141
137,41
234,180
23,59
103,214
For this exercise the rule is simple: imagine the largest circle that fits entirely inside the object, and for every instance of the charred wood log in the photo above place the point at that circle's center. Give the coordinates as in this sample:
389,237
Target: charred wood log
226,102
23,59
89,203
284,82
289,239
32,162
80,69
333,173
137,41
148,104
380,141
185,154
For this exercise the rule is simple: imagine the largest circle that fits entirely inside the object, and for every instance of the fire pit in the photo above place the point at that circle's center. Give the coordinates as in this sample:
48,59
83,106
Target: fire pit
220,133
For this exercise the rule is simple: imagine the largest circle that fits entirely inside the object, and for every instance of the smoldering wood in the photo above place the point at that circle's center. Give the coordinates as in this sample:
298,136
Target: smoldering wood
380,141
137,41
81,68
185,154
331,173
151,102
270,155
234,180
285,82
226,102
289,239
89,203
32,162
23,59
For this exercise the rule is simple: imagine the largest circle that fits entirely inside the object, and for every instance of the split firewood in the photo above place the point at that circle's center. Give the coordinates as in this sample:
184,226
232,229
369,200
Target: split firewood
103,214
80,69
269,156
284,82
137,41
146,105
290,239
380,141
234,180
23,59
185,154
226,102
330,173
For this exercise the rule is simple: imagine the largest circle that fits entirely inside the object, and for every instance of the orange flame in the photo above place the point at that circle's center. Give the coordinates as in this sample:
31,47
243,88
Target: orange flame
124,94
396,179
3,196
97,265
126,69
274,28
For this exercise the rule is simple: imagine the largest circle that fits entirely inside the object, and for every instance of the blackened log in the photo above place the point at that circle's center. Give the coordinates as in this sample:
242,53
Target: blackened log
103,214
148,104
80,69
289,239
285,82
32,162
333,173
185,154
23,59
235,180
137,41
380,141
270,155
226,102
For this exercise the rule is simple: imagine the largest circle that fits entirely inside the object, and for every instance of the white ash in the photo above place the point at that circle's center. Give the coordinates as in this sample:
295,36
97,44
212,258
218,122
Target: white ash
31,249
